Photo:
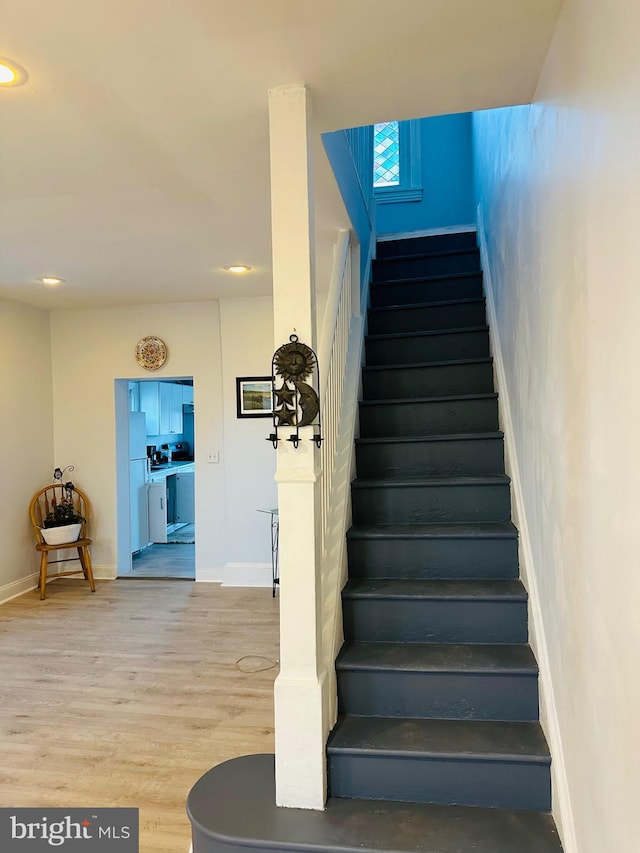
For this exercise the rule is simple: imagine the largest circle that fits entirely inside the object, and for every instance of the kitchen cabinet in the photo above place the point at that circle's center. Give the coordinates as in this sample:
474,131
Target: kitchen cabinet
157,497
162,404
170,404
176,409
185,498
171,500
150,405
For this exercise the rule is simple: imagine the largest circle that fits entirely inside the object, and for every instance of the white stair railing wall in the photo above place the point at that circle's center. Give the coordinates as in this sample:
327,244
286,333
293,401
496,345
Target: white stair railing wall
340,355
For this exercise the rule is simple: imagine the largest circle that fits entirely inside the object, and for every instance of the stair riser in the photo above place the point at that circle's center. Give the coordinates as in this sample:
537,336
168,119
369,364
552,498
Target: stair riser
232,809
431,504
437,417
427,318
438,290
441,346
434,381
455,262
465,782
443,621
431,458
437,695
423,245
454,559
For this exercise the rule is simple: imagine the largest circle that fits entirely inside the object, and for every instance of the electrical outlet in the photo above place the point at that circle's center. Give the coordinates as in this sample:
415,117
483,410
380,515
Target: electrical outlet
213,456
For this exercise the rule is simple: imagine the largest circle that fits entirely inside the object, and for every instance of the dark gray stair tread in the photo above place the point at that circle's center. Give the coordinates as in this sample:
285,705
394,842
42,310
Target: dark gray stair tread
234,804
463,301
441,253
488,740
406,482
427,333
413,439
489,658
417,279
458,590
458,362
478,530
412,400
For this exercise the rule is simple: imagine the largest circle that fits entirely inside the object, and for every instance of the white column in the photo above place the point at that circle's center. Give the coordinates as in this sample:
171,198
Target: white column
299,717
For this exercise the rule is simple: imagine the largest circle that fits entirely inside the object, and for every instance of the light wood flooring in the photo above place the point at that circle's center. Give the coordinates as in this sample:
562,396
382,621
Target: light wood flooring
126,696
164,561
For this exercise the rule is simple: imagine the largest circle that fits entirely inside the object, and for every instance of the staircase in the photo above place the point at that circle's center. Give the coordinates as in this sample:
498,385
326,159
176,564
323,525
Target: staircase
438,688
438,748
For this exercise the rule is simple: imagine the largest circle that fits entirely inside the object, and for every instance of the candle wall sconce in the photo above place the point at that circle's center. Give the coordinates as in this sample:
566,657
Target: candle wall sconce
294,368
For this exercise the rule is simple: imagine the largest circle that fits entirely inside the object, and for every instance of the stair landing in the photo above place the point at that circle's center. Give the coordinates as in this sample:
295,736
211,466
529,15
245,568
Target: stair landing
238,799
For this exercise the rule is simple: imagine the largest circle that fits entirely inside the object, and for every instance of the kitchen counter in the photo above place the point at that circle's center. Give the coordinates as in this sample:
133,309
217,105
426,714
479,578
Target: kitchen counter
158,474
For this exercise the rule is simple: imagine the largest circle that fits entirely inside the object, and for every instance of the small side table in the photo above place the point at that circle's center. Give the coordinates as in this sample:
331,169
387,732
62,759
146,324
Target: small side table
275,531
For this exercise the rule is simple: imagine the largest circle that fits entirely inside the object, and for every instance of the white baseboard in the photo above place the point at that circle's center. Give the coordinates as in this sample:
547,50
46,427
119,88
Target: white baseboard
214,575
105,573
19,587
429,232
247,574
563,810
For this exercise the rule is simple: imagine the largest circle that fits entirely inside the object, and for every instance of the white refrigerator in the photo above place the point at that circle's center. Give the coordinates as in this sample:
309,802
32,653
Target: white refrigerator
138,481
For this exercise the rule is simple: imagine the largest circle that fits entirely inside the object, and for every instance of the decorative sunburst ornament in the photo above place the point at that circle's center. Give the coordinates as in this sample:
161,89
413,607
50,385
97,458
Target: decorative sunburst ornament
151,352
294,361
296,401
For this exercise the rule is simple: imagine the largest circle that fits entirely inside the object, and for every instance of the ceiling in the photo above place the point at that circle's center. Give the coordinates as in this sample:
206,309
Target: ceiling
134,162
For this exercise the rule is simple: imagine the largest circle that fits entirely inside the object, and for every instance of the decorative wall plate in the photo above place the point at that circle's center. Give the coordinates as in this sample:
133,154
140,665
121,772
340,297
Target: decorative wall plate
151,352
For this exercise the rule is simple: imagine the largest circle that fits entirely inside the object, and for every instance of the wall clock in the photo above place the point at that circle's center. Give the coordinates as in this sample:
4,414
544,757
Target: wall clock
151,352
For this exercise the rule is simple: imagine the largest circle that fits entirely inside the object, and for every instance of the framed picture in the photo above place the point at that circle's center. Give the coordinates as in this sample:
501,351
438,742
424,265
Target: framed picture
253,396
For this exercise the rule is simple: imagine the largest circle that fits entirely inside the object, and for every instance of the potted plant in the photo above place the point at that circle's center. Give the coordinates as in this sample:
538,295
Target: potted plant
63,522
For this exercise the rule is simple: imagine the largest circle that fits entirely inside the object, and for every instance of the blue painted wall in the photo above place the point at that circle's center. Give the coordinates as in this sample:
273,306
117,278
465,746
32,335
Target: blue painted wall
447,180
357,199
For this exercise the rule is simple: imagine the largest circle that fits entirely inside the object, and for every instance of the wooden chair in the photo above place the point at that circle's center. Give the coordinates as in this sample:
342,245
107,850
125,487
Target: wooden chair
41,504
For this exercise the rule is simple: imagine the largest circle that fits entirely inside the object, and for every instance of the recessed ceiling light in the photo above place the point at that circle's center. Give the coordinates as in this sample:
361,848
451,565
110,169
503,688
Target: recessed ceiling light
11,74
238,268
51,280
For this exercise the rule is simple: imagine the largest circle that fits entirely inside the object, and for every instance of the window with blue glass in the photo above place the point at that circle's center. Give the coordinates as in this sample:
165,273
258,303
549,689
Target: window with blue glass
396,161
386,154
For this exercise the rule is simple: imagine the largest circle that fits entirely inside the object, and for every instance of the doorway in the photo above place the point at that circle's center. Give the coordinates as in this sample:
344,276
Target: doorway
155,463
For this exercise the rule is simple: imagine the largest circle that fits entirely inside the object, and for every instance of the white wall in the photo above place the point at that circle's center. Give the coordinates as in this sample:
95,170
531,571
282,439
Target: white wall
249,460
26,436
214,344
93,347
559,185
